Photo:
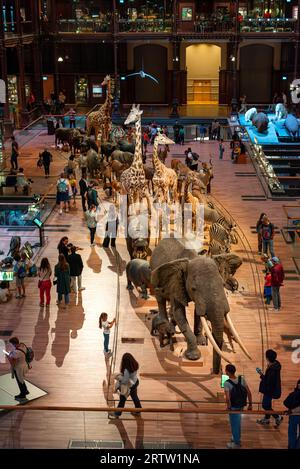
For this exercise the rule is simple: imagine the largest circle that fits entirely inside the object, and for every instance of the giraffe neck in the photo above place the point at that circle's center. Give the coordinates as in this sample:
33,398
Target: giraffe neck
156,162
106,107
137,159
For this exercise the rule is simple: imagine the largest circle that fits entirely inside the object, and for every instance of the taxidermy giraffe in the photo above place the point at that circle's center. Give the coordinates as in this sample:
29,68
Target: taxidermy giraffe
101,120
133,179
164,179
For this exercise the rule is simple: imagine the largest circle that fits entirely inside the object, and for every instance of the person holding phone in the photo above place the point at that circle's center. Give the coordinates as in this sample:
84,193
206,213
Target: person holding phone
270,387
236,394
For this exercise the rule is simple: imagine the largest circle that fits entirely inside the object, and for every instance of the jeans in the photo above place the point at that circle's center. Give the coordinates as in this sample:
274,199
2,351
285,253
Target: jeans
134,397
76,282
72,123
22,386
83,202
276,297
268,245
92,234
235,423
45,288
294,431
267,405
14,162
106,342
66,295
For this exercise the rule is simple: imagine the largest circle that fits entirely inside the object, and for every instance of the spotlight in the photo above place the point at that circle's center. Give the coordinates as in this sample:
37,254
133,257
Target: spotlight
60,59
232,58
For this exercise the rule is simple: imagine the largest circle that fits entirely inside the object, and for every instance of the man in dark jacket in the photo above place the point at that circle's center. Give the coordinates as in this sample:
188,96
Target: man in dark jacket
292,402
270,387
46,159
277,277
83,186
76,267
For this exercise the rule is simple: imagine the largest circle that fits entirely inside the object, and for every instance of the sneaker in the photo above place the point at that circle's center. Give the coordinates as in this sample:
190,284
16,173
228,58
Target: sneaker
113,416
136,414
42,304
278,421
233,445
263,421
60,211
19,396
81,288
23,296
18,296
67,210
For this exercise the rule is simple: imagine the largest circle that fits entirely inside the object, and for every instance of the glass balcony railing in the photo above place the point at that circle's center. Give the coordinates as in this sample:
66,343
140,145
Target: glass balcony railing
83,26
142,25
188,427
264,25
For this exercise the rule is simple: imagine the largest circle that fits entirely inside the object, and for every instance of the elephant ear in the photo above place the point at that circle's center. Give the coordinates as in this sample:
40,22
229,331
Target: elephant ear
170,279
227,263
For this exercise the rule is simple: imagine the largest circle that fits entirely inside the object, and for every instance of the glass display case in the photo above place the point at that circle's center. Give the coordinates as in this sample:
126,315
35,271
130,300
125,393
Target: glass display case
12,88
81,90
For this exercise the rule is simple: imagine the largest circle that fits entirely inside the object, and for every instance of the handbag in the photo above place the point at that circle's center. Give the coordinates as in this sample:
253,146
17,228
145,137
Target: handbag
40,281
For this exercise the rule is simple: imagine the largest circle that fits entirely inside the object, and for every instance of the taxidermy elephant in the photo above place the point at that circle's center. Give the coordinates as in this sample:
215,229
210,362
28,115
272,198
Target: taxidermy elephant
165,329
179,275
139,274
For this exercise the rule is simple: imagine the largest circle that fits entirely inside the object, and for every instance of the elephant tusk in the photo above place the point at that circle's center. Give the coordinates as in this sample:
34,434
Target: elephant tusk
212,340
236,336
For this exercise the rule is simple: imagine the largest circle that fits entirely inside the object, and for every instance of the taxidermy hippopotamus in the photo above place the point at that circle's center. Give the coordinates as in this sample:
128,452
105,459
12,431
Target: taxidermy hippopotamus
292,125
139,274
261,122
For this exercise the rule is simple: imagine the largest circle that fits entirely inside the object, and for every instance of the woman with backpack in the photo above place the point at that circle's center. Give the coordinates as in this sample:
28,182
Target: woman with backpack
62,197
20,272
128,379
292,402
44,283
19,365
236,394
62,279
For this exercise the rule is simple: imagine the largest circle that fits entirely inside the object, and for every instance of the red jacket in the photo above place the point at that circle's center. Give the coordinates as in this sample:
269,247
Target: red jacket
268,281
277,275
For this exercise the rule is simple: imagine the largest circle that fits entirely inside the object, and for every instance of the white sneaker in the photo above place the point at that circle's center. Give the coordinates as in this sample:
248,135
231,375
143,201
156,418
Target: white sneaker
60,211
233,445
67,210
278,421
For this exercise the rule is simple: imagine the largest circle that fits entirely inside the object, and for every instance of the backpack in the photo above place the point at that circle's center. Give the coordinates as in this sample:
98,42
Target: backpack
93,196
62,186
238,394
29,354
21,271
266,232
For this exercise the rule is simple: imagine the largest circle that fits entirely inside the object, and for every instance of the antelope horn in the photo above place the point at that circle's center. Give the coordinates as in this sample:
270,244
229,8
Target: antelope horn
236,336
212,340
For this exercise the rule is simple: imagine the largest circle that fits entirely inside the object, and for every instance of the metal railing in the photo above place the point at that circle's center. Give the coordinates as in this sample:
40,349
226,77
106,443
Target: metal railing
141,25
82,26
262,25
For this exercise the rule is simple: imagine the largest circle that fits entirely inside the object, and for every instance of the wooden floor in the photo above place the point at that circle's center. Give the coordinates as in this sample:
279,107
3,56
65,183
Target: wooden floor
69,362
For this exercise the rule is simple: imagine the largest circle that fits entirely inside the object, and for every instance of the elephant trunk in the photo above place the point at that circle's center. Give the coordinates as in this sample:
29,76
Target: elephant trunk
236,336
216,339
